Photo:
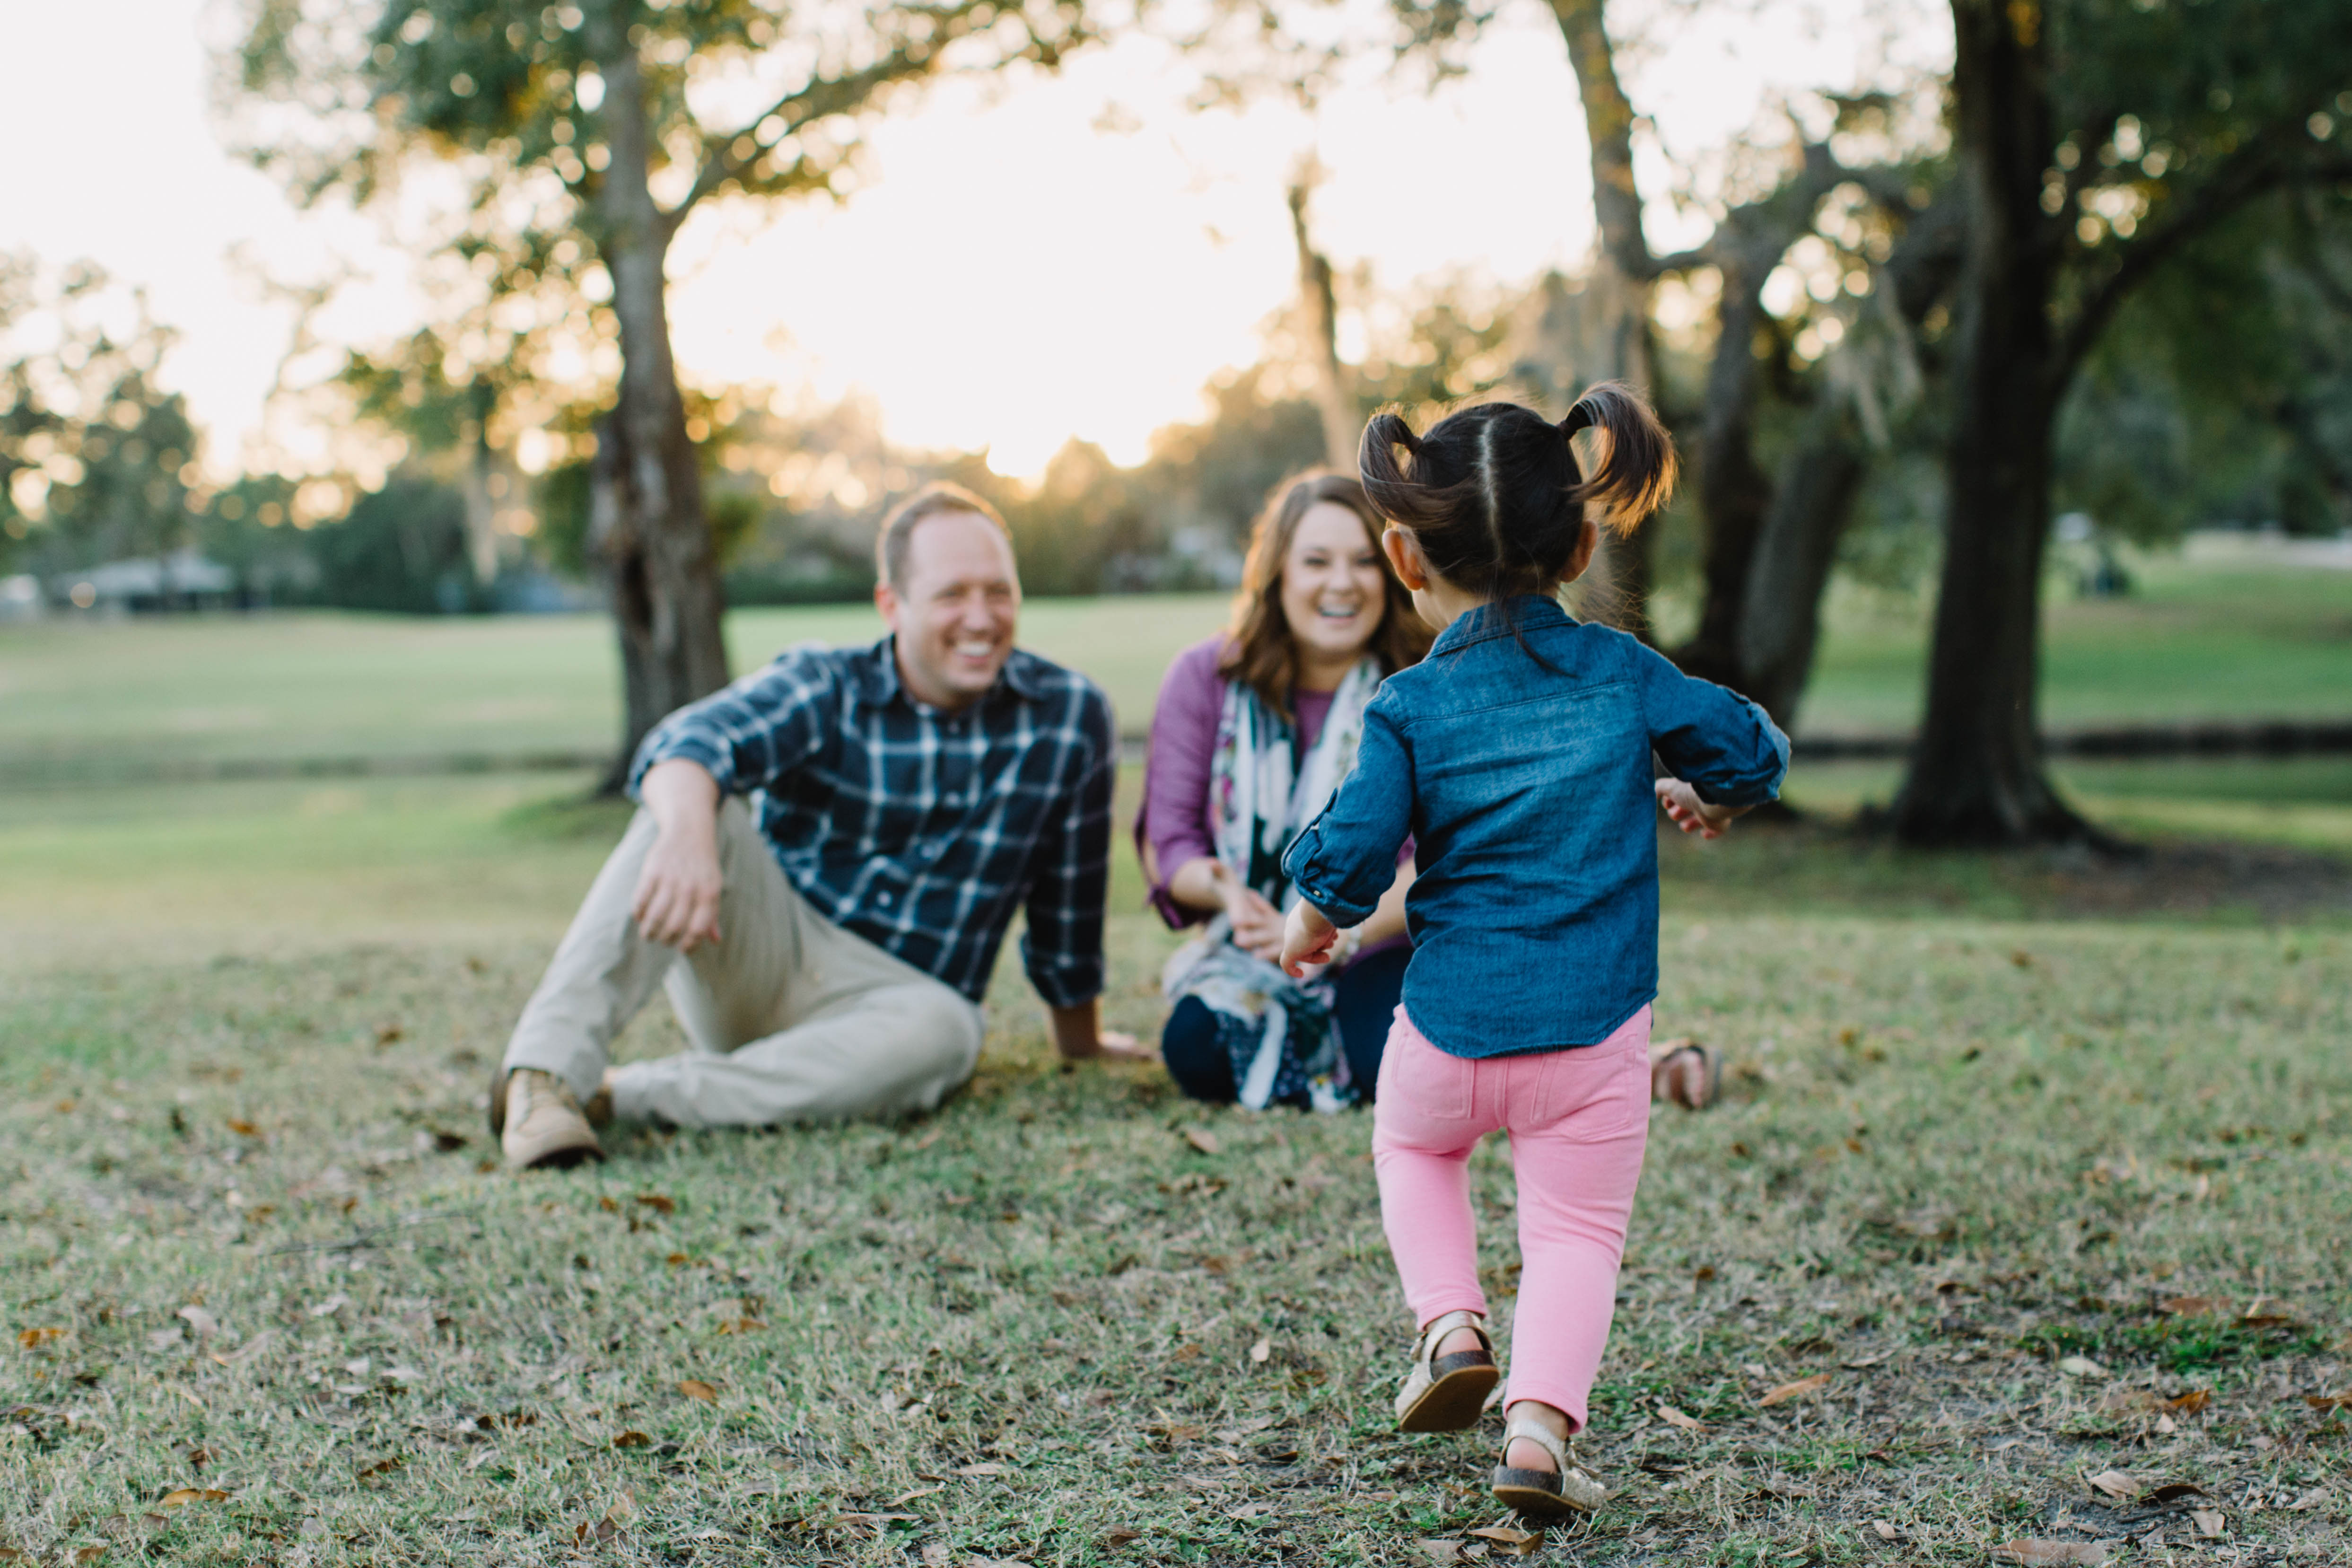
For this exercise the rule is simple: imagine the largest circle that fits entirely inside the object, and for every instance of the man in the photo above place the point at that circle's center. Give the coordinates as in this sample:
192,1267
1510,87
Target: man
828,960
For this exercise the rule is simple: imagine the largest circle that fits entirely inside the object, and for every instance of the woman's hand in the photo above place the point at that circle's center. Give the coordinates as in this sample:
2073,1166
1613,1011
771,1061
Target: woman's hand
1258,924
1692,814
1307,940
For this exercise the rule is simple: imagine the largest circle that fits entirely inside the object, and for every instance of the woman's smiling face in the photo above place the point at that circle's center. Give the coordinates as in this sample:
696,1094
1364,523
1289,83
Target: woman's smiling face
1334,585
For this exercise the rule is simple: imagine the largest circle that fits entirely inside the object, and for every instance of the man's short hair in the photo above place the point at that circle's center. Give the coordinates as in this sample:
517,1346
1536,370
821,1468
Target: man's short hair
898,528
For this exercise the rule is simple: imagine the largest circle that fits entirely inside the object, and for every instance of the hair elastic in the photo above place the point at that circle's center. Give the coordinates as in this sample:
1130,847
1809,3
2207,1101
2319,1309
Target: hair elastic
1580,418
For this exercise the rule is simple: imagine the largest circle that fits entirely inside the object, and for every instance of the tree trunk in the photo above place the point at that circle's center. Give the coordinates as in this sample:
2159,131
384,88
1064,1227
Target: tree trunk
1733,493
1319,324
1977,775
1616,341
481,509
663,568
1790,562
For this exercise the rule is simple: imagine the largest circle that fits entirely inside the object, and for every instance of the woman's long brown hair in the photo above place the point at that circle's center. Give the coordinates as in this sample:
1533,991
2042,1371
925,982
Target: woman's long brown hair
1263,653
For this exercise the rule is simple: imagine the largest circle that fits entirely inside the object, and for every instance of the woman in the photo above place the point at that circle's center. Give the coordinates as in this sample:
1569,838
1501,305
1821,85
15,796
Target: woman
1253,731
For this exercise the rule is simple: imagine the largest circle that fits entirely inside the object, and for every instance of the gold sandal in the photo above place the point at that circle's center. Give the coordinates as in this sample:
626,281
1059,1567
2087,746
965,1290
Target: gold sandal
1544,1494
1446,1393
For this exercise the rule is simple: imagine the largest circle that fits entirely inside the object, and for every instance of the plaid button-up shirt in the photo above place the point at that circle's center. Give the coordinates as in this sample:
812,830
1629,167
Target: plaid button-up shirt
920,830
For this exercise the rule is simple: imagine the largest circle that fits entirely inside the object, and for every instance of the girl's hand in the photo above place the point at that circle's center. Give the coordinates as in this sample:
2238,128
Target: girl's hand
1692,814
1307,940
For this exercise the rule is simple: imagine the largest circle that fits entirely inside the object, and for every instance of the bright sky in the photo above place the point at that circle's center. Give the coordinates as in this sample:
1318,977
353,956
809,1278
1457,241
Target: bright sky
1008,276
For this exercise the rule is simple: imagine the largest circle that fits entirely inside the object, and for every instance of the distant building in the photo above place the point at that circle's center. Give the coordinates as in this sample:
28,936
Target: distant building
183,580
20,598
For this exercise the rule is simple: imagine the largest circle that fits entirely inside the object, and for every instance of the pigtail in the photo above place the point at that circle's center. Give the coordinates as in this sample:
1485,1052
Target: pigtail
1394,490
1636,471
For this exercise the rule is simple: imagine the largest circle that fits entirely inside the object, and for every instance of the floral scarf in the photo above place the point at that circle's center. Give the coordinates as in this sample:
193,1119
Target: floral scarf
1277,1030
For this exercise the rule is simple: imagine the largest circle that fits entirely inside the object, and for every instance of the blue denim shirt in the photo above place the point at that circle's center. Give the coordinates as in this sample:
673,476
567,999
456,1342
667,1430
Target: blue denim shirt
1526,791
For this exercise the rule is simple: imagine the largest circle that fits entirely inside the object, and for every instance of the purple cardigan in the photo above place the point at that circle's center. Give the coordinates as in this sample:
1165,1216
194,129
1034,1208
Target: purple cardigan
1174,821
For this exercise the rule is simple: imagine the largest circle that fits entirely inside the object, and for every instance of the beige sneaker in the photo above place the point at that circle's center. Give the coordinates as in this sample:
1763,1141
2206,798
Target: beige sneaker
539,1121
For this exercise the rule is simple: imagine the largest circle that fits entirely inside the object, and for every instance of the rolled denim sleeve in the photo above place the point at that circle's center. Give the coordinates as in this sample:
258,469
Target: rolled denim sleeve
1721,744
752,733
1347,858
1063,948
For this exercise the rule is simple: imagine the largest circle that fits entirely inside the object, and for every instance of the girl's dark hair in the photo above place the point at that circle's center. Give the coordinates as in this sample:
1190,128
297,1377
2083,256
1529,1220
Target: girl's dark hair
1494,495
1263,655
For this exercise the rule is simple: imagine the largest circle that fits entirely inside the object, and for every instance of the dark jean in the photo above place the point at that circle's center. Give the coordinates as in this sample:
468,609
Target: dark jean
1369,990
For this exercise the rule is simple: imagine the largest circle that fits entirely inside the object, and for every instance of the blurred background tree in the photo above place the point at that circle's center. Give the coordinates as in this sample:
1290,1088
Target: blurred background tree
585,135
2095,141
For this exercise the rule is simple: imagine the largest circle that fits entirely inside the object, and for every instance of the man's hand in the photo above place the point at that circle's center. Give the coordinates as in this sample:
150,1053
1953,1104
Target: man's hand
1079,1036
677,901
1692,814
1307,940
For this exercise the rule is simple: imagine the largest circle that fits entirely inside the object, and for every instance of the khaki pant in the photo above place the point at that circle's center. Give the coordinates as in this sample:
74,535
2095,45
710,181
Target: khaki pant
791,1018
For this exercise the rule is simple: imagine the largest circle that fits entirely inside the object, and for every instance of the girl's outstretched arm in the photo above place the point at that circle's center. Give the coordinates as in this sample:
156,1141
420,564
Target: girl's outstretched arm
1347,858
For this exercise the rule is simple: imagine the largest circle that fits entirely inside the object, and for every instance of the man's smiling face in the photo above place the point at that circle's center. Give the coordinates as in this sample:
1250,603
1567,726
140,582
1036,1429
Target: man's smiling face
955,612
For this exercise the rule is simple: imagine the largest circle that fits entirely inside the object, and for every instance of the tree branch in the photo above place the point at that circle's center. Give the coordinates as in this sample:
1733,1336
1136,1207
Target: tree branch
2262,167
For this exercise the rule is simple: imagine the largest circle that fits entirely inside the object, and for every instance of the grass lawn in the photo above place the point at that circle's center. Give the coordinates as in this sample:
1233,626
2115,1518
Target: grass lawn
2030,1169
2198,640
250,1248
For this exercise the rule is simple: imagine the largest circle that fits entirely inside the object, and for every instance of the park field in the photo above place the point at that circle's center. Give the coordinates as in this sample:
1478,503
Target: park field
2022,1219
2230,640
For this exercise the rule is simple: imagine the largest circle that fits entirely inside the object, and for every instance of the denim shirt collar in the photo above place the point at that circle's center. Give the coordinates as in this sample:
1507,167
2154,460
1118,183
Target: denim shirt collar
874,673
1487,622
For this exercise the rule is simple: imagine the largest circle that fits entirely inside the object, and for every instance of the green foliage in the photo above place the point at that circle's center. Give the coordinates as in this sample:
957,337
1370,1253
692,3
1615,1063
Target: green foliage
2224,390
402,548
95,461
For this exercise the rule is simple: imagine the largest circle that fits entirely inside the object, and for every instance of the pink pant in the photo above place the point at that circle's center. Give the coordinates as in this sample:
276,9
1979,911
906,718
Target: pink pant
1577,1121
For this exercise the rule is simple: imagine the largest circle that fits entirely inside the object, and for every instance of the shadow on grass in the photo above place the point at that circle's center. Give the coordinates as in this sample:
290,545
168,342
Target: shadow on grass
1820,861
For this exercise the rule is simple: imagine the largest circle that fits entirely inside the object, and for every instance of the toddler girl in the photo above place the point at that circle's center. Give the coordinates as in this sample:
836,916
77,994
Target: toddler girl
1517,757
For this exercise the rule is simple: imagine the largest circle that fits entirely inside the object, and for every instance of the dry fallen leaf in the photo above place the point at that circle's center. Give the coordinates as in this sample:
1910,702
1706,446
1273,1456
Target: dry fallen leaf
203,1324
1440,1551
632,1440
84,1554
2081,1366
2114,1484
2315,1498
938,1554
1673,1417
2324,1401
1203,1140
2209,1522
695,1388
1884,1530
32,1338
2053,1553
1262,1351
1797,1390
1120,1536
1511,1543
244,1129
903,1498
979,1469
186,1495
657,1203
2193,1306
383,1466
2190,1402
